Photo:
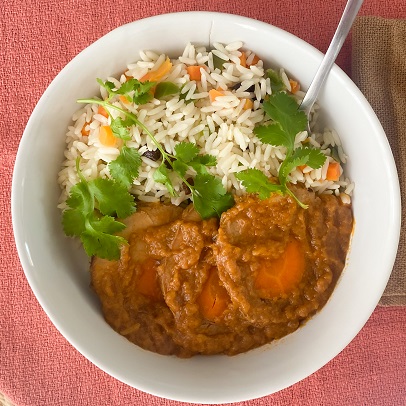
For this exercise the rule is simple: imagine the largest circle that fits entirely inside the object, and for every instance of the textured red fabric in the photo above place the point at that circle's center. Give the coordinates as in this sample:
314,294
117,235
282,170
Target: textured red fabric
37,365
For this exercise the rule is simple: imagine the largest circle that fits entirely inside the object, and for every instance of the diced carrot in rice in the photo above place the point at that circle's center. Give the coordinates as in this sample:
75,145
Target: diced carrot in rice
194,72
157,75
85,132
214,93
333,171
106,136
294,86
243,59
248,104
102,111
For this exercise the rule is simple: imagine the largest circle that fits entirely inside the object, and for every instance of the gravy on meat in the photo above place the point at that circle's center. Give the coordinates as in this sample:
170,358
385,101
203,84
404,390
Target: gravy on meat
187,286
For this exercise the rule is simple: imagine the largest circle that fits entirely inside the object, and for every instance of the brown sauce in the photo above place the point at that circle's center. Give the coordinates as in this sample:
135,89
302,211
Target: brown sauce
188,286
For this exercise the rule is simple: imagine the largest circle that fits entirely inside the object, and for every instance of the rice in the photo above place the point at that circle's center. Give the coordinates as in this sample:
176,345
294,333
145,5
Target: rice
223,128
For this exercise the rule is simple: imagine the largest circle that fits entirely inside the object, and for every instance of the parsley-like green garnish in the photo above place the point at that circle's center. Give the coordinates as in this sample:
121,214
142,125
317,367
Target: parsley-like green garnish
208,194
133,90
287,121
186,155
92,205
275,78
165,89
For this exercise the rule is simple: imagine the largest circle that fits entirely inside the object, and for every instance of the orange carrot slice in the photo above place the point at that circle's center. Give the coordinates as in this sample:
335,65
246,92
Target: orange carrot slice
281,275
156,75
213,93
106,136
194,72
147,282
213,299
333,171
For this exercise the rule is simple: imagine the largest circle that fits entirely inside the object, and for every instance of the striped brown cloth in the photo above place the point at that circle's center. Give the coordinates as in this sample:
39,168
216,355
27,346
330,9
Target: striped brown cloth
379,70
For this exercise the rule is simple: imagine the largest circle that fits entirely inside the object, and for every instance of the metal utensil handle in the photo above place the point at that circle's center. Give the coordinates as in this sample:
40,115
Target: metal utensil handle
344,26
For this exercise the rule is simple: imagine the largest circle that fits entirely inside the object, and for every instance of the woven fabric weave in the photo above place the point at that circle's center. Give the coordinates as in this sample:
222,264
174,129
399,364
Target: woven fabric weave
379,70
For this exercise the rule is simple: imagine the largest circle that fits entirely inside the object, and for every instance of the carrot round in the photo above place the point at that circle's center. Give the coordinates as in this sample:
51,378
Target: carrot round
106,136
147,282
213,299
280,276
333,171
194,72
156,75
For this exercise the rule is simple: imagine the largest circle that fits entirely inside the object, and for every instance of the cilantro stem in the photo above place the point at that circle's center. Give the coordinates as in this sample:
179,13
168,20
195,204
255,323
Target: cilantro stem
290,193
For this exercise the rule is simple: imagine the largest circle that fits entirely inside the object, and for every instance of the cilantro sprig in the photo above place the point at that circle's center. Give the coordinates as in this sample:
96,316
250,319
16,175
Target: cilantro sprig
287,121
133,90
207,193
92,207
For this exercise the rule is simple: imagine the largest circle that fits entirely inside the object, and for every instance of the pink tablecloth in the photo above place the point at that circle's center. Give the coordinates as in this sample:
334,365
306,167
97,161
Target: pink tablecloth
37,365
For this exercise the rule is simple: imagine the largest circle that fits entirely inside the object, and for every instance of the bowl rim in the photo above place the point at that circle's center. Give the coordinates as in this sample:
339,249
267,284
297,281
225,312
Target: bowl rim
27,262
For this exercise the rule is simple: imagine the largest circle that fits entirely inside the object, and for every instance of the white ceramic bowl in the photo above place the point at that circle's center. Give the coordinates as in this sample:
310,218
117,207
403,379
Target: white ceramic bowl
57,268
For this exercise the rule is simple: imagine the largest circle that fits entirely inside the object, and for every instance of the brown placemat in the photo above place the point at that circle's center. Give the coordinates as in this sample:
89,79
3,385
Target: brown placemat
379,70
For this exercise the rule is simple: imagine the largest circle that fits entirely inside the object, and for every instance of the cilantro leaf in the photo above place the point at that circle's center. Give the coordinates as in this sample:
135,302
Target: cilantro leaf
186,151
124,169
165,89
134,90
180,167
120,128
277,84
161,175
255,181
106,224
103,245
73,222
283,109
209,196
274,135
80,198
112,197
301,156
109,86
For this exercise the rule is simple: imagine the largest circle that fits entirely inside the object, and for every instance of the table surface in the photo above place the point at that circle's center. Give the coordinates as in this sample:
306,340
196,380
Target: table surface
37,365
